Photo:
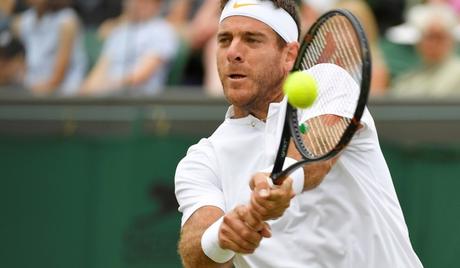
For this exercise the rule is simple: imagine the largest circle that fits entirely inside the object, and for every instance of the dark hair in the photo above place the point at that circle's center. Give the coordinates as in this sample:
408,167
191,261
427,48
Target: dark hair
55,5
290,6
10,47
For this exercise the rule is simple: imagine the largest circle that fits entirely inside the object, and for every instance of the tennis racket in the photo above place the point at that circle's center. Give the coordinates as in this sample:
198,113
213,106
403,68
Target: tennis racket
335,51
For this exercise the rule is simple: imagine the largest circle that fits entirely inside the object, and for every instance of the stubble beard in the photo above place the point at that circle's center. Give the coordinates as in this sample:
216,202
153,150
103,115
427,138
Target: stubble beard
268,83
269,89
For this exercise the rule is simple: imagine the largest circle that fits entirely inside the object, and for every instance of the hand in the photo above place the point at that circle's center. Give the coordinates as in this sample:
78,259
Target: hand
241,232
269,203
41,89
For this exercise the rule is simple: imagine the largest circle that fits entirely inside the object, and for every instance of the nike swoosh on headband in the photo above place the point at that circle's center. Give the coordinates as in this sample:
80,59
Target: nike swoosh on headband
238,5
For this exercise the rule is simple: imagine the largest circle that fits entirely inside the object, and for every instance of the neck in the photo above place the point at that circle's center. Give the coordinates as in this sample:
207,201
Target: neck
258,109
40,11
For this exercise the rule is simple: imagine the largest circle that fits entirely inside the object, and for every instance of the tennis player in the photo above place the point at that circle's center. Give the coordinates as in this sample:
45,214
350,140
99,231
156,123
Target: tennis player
339,213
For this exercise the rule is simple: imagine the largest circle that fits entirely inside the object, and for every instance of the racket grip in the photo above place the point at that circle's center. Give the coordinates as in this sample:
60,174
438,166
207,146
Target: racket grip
297,175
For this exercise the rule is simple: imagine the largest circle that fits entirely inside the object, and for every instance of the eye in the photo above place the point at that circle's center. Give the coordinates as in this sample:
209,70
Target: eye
223,40
252,40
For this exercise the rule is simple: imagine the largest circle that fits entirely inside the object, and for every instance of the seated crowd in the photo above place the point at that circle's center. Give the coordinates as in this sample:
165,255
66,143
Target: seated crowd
141,47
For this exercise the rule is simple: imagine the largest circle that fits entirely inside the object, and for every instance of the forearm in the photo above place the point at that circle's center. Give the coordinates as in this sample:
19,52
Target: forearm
144,70
97,80
315,173
190,249
314,140
192,254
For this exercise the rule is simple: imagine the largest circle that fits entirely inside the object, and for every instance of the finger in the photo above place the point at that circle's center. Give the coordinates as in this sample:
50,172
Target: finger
239,230
282,193
260,184
266,231
287,187
255,219
262,209
251,219
228,243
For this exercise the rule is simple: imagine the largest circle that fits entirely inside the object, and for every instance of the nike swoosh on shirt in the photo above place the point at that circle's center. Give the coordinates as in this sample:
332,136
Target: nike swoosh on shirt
238,5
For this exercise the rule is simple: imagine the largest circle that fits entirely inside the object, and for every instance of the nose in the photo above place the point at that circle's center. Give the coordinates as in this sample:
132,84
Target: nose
235,52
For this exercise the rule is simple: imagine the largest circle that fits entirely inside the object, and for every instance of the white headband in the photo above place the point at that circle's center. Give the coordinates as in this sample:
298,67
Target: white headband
265,11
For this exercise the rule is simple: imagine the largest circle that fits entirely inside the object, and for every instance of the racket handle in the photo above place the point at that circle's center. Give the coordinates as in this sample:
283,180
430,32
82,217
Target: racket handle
297,175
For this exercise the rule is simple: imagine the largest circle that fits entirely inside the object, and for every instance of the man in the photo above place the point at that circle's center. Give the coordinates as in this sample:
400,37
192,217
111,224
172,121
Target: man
338,213
12,60
438,75
136,54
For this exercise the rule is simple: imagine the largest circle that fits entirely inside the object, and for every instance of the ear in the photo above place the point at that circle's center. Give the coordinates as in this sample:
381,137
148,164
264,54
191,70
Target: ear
292,49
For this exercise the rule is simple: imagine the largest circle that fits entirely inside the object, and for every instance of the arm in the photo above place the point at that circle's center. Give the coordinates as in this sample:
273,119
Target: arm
270,202
234,234
203,26
6,7
107,26
178,13
97,79
201,201
190,238
147,66
315,172
16,26
67,35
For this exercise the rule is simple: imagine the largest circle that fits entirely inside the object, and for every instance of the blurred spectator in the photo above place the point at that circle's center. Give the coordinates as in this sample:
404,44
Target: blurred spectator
432,27
94,12
310,10
6,9
11,60
388,12
55,56
204,34
197,22
455,4
136,53
380,75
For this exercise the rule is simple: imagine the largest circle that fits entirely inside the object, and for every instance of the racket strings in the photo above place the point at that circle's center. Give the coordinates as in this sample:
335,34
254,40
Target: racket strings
335,42
324,133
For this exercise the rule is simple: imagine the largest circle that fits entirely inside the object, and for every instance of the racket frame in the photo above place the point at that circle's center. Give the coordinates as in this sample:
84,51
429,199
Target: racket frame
291,124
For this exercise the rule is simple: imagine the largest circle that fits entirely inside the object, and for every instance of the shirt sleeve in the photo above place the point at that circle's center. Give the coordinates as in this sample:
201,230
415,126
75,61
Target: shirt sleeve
197,182
337,96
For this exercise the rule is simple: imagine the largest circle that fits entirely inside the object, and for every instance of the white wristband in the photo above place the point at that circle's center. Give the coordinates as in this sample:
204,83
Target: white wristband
210,244
298,176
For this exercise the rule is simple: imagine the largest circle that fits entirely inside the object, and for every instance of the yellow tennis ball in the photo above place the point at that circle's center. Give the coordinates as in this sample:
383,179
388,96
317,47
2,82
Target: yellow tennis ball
301,89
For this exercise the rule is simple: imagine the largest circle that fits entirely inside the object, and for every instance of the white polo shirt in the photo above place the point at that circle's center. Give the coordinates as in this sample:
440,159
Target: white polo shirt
352,219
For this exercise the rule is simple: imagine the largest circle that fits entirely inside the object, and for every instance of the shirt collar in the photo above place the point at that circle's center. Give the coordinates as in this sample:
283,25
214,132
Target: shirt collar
273,109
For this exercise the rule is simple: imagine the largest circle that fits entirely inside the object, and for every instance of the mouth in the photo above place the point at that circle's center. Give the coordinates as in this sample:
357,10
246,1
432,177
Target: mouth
237,76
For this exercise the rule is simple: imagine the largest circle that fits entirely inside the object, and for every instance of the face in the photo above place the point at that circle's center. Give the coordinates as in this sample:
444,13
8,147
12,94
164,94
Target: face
140,10
37,3
11,68
251,63
436,44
